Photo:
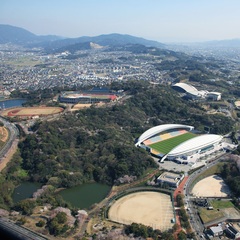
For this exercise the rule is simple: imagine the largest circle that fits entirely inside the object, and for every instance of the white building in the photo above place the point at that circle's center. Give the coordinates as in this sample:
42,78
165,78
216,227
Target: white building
193,93
197,146
172,179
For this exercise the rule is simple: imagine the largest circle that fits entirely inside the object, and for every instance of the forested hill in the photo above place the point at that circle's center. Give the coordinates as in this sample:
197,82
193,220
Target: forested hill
98,143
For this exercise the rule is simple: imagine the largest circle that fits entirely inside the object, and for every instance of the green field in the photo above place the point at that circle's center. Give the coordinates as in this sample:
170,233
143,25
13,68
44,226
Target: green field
167,145
221,204
210,215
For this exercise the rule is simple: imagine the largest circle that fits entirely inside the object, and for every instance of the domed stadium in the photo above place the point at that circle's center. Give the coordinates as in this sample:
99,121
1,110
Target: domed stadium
178,142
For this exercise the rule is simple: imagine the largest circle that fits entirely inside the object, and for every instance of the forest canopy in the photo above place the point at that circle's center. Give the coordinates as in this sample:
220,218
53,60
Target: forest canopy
98,143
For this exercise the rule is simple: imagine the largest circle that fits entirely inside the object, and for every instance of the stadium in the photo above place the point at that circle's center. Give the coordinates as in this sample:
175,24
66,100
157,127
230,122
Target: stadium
192,93
178,143
95,95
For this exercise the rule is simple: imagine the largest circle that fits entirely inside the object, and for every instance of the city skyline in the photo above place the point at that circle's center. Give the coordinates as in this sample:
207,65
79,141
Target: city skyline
163,21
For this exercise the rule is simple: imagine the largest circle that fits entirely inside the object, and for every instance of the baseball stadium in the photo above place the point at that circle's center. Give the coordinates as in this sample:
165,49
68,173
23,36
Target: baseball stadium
178,143
95,95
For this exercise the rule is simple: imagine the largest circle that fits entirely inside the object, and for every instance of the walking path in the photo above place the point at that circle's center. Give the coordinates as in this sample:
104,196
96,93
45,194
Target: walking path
178,190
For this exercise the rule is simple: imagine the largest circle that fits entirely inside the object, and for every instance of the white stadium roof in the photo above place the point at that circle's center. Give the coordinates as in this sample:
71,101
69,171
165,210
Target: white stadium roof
160,128
215,93
186,87
194,144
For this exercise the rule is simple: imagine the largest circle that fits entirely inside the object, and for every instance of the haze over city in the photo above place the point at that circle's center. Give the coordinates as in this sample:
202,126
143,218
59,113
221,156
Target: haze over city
164,21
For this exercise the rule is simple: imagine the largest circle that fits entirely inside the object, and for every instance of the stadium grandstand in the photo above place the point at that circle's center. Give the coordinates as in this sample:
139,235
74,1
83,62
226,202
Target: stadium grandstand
95,95
178,142
192,93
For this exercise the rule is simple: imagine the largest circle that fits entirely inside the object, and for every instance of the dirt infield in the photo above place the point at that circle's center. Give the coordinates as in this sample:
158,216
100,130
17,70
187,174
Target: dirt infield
30,111
212,186
3,134
80,106
237,103
152,209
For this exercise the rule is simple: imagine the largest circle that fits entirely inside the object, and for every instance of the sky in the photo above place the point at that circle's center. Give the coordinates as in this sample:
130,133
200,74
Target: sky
161,20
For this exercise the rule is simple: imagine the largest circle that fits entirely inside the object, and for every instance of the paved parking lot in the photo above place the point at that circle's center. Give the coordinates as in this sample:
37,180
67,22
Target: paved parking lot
173,166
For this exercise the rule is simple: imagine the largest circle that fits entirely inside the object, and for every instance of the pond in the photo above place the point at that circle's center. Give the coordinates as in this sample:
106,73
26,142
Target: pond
12,103
25,190
85,195
81,196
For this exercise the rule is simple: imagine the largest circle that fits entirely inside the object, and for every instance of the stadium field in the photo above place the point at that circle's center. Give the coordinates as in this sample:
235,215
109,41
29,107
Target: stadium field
167,145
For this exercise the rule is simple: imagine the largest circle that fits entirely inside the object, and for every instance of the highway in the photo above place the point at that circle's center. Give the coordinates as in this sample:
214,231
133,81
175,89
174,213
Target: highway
9,230
13,134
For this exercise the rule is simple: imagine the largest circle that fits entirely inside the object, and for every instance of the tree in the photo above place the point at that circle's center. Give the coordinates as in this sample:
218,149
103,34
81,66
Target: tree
57,225
182,235
180,201
26,206
40,223
61,217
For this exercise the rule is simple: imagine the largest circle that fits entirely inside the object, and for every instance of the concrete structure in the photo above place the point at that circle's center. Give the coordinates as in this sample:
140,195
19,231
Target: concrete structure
172,179
216,96
232,231
216,230
198,146
160,128
192,93
92,96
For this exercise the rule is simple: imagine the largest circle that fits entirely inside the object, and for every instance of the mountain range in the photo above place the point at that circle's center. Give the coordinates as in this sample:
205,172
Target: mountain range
52,43
17,35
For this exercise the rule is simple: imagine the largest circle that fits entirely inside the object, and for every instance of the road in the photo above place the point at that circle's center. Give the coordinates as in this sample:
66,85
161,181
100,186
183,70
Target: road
13,134
195,220
9,230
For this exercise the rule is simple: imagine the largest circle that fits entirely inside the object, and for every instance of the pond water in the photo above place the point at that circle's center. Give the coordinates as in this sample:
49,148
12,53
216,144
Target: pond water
12,103
81,196
85,195
25,190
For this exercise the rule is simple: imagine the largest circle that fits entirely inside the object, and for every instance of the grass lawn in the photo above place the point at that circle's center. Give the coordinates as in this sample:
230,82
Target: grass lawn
210,215
221,204
167,145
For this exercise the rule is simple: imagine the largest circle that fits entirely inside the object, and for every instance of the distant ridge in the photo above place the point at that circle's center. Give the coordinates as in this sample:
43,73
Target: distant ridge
114,39
17,35
227,43
224,43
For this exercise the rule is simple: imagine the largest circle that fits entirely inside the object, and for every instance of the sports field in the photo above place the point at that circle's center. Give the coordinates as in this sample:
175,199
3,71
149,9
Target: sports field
152,209
212,186
31,111
167,145
237,103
